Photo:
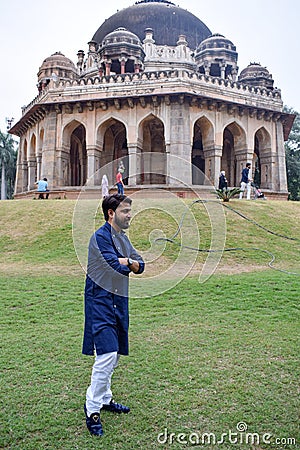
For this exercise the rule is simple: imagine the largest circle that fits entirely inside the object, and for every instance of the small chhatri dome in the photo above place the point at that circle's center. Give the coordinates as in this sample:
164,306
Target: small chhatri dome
217,52
120,35
123,50
216,42
256,75
56,66
57,60
167,20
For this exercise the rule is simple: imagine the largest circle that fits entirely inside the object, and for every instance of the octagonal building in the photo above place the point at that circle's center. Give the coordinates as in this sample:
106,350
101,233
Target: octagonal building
154,82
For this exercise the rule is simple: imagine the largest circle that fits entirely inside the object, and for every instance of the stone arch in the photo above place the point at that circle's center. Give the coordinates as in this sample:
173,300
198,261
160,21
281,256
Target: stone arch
203,138
41,140
24,166
32,146
31,162
147,117
151,137
74,154
25,150
234,143
39,153
112,136
262,168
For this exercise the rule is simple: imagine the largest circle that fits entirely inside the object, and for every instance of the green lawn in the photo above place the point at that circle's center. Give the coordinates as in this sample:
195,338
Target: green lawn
204,357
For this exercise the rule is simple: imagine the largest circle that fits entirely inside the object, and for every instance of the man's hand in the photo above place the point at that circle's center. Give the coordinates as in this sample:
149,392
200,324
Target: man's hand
134,267
123,261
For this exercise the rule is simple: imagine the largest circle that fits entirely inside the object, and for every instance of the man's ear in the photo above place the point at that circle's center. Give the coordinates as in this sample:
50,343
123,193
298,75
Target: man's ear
110,213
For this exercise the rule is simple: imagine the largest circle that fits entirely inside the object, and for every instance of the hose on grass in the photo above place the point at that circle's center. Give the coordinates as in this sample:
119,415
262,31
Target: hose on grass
231,249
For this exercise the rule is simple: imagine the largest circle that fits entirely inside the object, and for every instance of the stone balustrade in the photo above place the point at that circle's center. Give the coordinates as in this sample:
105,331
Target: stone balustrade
155,76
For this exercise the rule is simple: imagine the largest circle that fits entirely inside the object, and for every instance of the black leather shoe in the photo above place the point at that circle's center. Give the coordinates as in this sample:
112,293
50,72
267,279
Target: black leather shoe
116,408
93,423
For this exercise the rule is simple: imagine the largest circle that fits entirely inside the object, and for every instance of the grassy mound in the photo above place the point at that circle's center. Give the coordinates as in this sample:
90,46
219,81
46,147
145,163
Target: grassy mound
207,359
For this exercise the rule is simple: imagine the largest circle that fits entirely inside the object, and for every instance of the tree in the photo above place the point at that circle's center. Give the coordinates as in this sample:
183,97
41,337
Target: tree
292,151
8,159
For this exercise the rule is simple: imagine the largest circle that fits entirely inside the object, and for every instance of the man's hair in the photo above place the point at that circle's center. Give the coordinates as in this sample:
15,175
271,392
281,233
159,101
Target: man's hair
45,179
112,202
248,164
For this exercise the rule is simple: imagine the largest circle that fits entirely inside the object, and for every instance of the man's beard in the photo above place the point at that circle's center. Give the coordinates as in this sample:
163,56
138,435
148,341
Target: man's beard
123,225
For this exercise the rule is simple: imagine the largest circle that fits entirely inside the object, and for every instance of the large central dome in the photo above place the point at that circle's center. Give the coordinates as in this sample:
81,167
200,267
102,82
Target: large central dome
167,20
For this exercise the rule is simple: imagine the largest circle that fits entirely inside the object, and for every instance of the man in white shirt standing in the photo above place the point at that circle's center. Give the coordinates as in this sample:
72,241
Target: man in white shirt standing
246,182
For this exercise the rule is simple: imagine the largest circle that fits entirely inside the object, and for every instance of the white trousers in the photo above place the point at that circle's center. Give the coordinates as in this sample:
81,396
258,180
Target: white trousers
99,392
243,187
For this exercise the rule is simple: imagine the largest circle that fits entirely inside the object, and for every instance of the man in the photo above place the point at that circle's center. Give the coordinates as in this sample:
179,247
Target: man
111,258
246,182
42,188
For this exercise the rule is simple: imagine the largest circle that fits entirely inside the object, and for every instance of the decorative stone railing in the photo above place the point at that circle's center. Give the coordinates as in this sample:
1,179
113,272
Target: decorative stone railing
164,75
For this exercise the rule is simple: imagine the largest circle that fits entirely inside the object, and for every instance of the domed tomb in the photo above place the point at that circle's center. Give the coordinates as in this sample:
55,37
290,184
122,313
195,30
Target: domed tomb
167,21
257,76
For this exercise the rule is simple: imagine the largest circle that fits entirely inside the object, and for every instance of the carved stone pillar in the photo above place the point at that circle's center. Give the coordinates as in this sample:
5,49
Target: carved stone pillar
207,69
39,166
212,155
49,150
107,67
281,183
234,72
21,177
168,163
93,166
134,159
179,170
31,173
63,167
123,64
223,67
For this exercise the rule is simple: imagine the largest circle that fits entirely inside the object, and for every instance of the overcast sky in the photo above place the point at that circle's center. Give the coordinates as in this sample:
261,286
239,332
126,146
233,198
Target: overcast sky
264,31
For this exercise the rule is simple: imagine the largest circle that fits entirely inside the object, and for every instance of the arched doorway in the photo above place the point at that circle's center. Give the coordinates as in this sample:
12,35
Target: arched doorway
198,160
228,160
78,157
73,155
256,163
234,142
114,148
153,156
262,157
203,139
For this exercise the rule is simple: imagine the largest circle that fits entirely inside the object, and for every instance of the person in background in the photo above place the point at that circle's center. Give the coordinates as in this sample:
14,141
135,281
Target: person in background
111,258
120,184
222,181
42,188
246,182
104,186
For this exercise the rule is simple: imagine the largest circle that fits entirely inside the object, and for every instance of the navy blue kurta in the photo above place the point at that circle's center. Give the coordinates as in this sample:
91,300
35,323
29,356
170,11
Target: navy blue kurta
106,292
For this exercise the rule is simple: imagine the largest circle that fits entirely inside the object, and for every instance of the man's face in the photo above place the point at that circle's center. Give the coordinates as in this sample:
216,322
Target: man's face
122,216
